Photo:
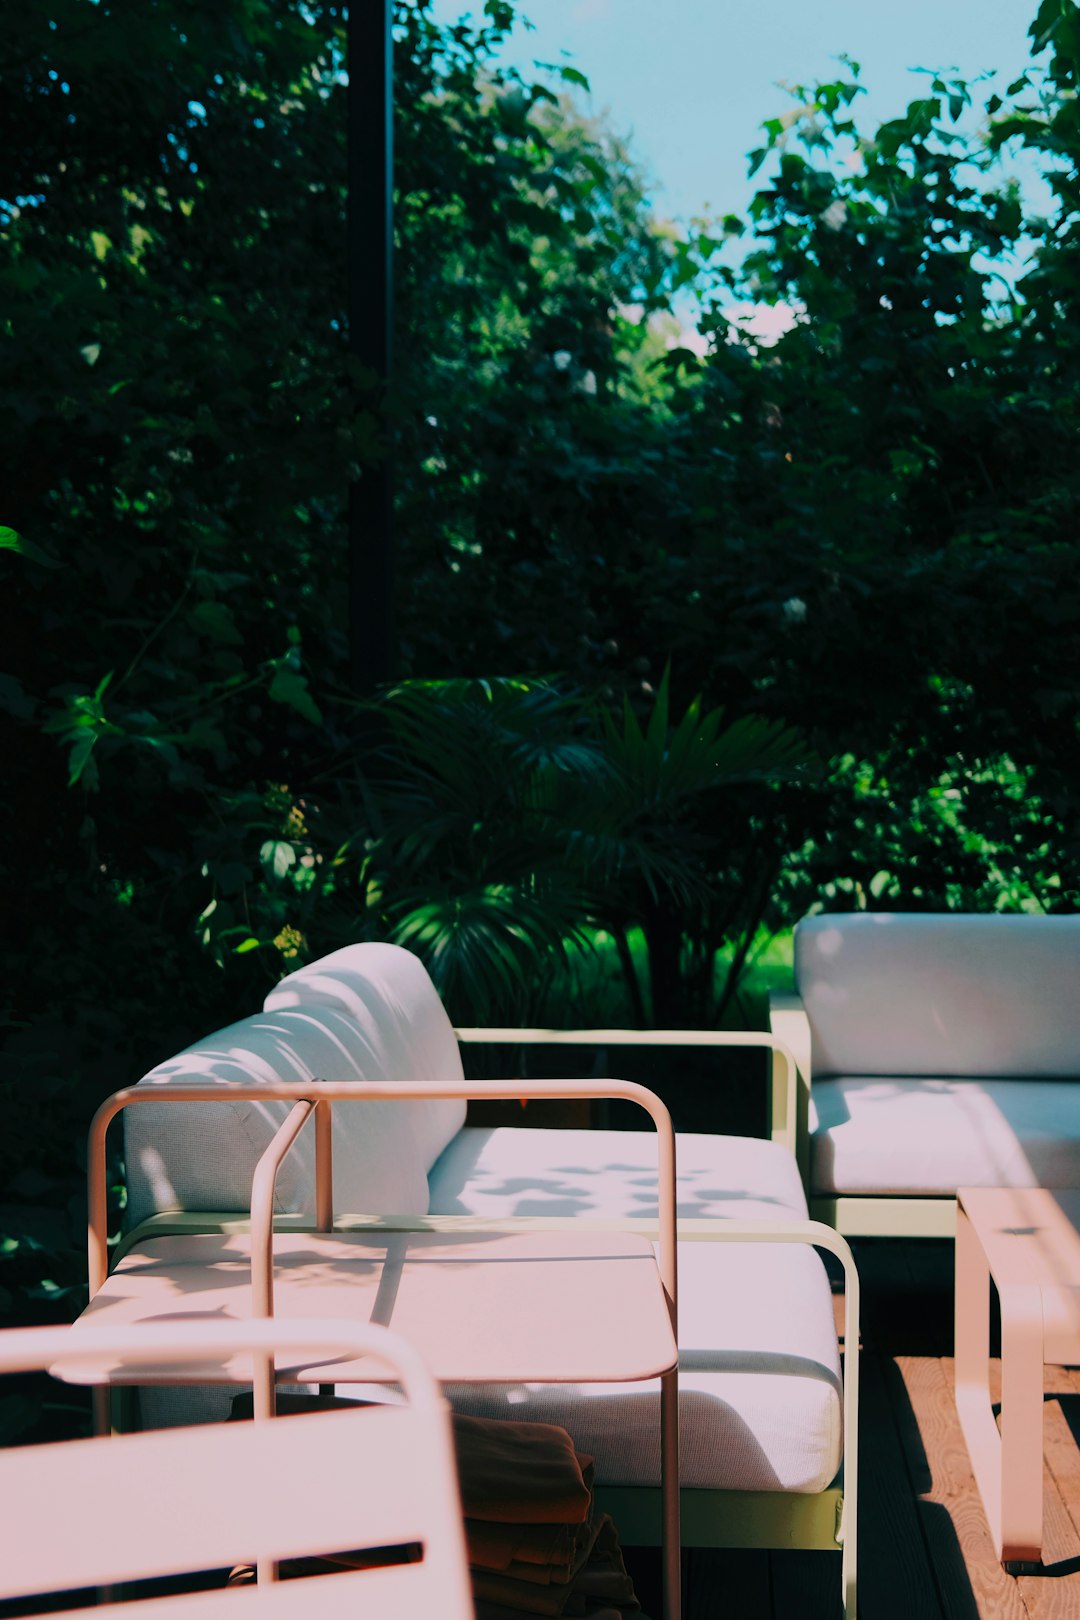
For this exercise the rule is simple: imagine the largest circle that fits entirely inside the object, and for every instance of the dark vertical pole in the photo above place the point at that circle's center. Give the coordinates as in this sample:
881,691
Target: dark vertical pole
370,261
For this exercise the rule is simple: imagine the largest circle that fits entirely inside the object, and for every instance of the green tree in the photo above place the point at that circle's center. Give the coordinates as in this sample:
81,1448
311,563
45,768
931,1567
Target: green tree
880,522
181,420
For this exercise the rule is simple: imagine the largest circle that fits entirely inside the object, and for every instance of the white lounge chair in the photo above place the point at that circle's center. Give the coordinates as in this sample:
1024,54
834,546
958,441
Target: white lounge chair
935,1052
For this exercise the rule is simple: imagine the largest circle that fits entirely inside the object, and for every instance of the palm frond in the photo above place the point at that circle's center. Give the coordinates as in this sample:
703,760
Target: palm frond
661,764
488,948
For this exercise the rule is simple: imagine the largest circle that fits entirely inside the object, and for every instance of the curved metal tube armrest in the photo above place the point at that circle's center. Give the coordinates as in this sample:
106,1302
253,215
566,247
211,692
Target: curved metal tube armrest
788,1020
263,1183
819,1236
784,1080
327,1091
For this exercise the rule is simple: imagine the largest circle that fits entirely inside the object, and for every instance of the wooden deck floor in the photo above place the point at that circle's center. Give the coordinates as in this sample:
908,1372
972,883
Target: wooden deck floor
924,1548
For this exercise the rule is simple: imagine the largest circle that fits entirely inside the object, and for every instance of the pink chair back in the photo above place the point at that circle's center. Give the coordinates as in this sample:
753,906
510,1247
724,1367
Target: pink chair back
93,1513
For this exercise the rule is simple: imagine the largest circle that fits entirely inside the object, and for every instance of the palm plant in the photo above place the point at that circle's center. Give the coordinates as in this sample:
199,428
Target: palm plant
466,869
658,844
513,819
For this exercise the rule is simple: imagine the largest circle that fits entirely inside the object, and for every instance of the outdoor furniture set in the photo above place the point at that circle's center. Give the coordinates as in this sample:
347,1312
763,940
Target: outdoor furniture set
422,1204
520,1261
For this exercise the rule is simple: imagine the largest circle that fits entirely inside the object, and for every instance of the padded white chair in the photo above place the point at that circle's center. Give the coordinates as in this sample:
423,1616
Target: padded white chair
91,1513
935,1051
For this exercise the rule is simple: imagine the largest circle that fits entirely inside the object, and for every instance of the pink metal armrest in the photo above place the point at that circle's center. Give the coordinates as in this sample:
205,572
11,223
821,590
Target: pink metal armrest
315,1097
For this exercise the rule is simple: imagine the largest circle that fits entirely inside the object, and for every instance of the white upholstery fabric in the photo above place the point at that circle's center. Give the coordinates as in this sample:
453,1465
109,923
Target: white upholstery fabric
943,994
203,1155
525,1171
872,1135
388,994
761,1407
759,1381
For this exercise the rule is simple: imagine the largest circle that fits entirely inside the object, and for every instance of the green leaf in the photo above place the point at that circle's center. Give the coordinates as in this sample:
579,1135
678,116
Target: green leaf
292,689
215,620
79,761
245,946
11,541
573,75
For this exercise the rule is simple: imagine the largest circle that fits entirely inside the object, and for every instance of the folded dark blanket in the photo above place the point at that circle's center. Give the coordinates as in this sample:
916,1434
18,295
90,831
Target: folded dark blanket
529,1552
600,1586
559,1575
543,1546
520,1473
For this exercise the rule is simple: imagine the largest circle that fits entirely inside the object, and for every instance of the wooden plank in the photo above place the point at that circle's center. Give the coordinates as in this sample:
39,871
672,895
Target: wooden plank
1055,1594
1062,1439
895,1576
969,1578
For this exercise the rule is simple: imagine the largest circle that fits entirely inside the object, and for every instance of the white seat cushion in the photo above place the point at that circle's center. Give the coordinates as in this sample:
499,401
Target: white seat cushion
528,1171
759,1375
759,1381
871,1135
761,1407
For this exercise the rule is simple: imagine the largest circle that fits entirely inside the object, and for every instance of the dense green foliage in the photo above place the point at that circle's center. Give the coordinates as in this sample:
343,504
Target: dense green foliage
866,532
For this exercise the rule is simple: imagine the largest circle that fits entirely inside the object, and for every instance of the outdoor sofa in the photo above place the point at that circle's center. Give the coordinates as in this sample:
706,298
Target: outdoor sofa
768,1427
935,1051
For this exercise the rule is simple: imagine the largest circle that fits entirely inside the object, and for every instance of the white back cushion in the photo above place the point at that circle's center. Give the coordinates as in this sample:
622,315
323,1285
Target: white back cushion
941,993
384,1024
387,993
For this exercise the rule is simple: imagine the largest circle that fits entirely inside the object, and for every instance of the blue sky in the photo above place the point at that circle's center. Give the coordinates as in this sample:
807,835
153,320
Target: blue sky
692,80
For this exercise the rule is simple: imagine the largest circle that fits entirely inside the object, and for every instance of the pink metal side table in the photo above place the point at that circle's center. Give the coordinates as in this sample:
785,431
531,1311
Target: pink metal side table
1027,1240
